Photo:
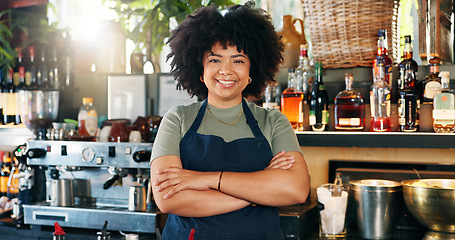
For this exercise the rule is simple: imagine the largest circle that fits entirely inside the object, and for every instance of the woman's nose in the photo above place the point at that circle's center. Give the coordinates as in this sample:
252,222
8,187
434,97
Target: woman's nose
225,69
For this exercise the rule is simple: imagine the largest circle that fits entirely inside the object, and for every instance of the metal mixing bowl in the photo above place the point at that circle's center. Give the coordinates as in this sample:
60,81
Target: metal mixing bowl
431,202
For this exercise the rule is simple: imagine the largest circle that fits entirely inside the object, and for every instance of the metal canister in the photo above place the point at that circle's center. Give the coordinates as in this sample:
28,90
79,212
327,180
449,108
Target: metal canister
375,206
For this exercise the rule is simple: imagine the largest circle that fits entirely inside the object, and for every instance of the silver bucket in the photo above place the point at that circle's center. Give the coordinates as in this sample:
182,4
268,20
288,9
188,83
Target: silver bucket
375,206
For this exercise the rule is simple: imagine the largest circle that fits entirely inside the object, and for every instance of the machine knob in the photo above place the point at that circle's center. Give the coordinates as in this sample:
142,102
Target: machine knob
36,153
142,156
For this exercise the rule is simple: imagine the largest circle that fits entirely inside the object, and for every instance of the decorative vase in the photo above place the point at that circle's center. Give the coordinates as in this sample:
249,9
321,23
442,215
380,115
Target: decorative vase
291,40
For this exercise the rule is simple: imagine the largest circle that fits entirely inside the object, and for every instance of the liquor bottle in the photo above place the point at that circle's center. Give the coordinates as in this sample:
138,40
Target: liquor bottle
383,57
292,102
9,99
444,107
54,81
19,83
380,102
349,107
30,69
87,118
272,96
5,171
19,69
407,57
67,62
431,83
13,183
319,103
42,74
408,102
304,72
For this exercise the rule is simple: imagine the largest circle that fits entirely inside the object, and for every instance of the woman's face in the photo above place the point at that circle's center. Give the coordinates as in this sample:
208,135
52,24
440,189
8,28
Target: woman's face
226,73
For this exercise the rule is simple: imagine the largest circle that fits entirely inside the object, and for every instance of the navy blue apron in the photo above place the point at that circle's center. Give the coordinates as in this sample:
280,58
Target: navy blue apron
201,152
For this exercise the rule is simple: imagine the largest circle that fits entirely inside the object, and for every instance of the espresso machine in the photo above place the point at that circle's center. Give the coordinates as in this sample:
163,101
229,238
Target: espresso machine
88,183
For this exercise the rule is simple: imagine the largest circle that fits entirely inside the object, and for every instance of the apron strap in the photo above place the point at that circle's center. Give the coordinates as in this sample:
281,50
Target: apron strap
251,121
197,122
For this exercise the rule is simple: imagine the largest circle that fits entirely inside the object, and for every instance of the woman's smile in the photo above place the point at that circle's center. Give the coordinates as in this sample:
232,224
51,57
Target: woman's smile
226,83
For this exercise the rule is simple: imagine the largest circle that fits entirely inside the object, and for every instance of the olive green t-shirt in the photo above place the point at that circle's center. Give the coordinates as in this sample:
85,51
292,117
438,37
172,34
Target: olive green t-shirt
176,122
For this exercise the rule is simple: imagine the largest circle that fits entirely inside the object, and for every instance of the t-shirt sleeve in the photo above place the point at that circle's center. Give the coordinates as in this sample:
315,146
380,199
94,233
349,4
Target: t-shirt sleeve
169,135
283,136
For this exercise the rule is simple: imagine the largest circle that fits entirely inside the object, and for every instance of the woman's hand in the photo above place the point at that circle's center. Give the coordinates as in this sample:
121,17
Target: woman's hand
281,161
179,179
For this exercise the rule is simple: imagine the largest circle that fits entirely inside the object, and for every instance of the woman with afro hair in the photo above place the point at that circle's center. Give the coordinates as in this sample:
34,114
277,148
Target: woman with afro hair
222,167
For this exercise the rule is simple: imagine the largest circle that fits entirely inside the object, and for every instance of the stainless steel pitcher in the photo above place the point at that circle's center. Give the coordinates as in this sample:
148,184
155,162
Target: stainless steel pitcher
137,199
60,192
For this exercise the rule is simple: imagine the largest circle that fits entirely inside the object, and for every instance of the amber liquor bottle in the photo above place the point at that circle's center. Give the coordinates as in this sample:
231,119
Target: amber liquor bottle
292,101
431,83
319,103
349,107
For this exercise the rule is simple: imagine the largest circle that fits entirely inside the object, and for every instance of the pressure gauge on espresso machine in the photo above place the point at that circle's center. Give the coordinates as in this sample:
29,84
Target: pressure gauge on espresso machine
88,154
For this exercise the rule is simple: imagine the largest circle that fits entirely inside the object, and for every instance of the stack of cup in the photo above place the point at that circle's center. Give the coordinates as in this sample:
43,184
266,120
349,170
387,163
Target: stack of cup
332,216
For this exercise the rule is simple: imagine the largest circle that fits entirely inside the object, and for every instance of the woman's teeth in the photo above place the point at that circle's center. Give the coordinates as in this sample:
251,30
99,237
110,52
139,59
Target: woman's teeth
226,82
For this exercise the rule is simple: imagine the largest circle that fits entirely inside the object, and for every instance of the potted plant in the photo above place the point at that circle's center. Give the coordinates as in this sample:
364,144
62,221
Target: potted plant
156,17
7,52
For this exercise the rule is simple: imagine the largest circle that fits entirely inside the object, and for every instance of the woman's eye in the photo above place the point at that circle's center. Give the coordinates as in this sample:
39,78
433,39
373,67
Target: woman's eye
238,61
214,60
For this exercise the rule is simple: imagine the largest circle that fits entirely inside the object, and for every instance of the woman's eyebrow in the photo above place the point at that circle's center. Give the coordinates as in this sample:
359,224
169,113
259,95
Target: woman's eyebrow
218,55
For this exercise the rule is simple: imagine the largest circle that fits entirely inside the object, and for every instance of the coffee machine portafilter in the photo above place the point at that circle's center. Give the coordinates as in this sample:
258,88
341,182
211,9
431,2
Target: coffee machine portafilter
102,174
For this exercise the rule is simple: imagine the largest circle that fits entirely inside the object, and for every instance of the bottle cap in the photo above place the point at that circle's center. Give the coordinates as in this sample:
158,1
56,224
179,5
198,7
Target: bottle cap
444,76
407,39
434,61
382,33
87,100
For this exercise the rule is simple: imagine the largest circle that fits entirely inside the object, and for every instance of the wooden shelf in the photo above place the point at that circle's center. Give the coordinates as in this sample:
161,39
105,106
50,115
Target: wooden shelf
376,139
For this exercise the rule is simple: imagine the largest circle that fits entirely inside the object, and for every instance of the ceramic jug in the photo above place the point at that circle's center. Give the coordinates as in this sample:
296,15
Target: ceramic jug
291,40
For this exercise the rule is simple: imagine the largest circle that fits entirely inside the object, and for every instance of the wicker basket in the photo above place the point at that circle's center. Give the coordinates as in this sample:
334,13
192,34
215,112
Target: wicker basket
344,32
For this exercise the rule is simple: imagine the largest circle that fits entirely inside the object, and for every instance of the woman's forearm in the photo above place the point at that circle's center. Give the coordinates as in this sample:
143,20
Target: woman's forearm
273,187
193,203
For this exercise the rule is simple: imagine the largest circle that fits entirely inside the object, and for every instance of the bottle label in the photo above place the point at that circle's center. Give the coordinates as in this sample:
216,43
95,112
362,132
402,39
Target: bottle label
9,104
388,74
444,101
443,114
325,117
387,100
91,122
28,78
372,105
401,111
312,118
349,121
431,88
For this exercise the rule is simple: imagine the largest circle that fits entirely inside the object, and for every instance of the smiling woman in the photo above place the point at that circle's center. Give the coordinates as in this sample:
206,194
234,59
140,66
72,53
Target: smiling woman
221,167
